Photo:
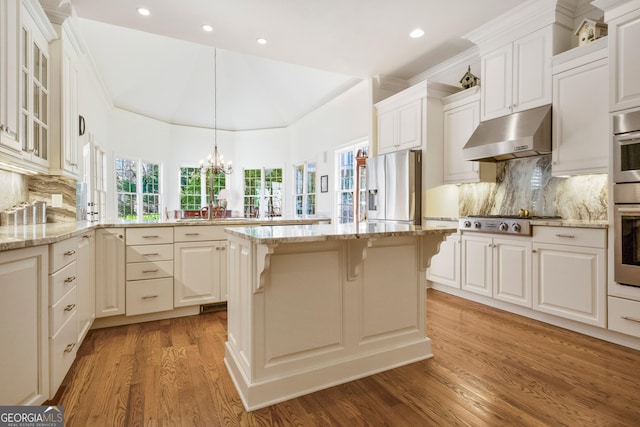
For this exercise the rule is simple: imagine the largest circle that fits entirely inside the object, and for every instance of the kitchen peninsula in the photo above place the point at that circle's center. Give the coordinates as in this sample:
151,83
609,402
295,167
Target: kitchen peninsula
313,306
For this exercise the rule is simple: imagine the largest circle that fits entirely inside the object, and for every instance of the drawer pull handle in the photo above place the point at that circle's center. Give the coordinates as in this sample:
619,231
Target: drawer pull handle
568,236
69,279
69,253
70,307
633,319
153,254
151,237
191,234
149,297
86,236
69,347
151,271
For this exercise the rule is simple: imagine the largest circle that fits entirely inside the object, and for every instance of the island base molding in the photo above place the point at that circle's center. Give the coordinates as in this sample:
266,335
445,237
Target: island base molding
305,316
269,392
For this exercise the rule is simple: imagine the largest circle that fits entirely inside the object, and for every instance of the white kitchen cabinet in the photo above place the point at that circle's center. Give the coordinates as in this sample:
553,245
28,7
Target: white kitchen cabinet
86,287
497,267
65,150
624,316
200,256
406,119
400,124
461,118
569,273
23,326
36,32
624,35
149,271
517,76
9,46
110,272
63,310
477,267
581,117
445,265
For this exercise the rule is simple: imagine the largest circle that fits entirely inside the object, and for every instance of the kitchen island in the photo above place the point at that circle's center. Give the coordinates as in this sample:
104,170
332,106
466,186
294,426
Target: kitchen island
312,306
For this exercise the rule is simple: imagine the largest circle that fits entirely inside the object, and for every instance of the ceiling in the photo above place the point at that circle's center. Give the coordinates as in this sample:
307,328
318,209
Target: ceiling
162,65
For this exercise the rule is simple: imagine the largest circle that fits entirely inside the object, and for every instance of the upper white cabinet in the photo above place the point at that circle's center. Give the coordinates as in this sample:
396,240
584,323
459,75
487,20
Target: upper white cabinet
36,32
624,35
65,151
461,117
9,46
580,115
400,123
403,118
517,76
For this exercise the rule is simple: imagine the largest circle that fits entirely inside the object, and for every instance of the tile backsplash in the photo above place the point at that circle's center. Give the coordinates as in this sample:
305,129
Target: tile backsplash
527,184
17,188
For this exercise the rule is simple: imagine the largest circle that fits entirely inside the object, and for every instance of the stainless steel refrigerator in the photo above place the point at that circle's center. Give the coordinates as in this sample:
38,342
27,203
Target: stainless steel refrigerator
394,187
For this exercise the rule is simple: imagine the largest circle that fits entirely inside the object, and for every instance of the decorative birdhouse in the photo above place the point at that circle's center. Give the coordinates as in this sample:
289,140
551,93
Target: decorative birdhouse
469,80
590,30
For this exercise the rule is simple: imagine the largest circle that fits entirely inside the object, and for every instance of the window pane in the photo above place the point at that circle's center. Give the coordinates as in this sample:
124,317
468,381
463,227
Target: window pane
252,184
311,178
273,191
311,204
127,206
126,176
299,175
44,79
190,188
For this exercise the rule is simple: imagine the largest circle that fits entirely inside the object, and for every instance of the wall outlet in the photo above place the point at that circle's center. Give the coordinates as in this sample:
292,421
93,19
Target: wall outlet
56,200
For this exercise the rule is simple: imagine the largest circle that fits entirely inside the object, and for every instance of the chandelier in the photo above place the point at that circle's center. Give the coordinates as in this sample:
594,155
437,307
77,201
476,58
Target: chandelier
214,164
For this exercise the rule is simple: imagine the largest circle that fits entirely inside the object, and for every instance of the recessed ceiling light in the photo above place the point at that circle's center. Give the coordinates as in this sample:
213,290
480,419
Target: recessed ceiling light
144,12
208,28
261,40
416,33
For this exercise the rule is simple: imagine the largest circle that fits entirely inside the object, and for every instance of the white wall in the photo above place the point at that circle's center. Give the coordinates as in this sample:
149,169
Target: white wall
315,137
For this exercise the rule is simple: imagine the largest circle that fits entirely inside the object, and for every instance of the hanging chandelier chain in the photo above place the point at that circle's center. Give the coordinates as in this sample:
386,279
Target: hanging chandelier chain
215,163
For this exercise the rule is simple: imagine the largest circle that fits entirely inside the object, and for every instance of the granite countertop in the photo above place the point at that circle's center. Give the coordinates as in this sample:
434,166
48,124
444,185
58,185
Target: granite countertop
16,237
323,232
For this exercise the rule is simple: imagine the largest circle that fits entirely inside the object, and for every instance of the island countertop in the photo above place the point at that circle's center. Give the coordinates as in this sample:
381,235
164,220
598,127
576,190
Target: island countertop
323,232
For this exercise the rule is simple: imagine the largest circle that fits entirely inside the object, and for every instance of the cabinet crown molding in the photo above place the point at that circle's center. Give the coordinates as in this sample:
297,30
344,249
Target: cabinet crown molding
523,20
615,8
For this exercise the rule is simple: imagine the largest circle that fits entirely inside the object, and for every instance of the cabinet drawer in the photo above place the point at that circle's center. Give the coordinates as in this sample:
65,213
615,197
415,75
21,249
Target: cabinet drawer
149,270
199,233
61,281
62,253
142,253
62,351
61,311
149,296
590,237
624,316
149,235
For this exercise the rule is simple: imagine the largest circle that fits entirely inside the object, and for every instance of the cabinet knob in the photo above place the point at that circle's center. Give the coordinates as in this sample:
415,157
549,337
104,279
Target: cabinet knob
533,251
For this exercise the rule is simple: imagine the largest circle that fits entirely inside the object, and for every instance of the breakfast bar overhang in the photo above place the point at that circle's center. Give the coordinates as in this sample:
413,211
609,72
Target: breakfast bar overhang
313,306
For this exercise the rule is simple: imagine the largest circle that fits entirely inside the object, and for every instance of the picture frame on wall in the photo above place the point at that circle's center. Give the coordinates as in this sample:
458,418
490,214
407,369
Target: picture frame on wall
324,183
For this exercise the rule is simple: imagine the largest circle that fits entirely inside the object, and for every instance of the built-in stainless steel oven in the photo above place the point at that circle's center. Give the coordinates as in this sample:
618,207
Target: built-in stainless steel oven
627,233
626,147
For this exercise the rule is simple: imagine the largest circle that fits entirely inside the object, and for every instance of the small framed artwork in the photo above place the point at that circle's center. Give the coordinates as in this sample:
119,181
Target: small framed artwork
324,183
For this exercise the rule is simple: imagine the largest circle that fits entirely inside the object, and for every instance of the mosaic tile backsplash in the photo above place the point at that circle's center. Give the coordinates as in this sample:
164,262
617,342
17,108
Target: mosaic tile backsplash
527,184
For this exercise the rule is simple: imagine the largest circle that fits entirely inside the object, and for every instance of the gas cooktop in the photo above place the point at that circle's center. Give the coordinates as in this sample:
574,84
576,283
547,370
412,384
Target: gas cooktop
503,224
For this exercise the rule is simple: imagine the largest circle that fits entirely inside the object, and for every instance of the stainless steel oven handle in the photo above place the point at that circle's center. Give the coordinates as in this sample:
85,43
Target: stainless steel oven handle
626,139
628,210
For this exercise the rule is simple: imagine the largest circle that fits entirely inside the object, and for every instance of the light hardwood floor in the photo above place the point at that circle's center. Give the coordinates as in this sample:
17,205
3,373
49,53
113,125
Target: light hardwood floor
490,368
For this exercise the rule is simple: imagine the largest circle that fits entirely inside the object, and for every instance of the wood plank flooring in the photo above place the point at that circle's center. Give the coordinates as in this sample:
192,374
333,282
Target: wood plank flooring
490,368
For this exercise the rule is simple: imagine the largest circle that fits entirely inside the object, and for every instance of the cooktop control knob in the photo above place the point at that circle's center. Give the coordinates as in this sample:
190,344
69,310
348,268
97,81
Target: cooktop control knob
503,226
476,224
467,224
516,227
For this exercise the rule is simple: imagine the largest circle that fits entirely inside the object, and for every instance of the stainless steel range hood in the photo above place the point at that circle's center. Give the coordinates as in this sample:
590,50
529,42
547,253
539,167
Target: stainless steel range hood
523,134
